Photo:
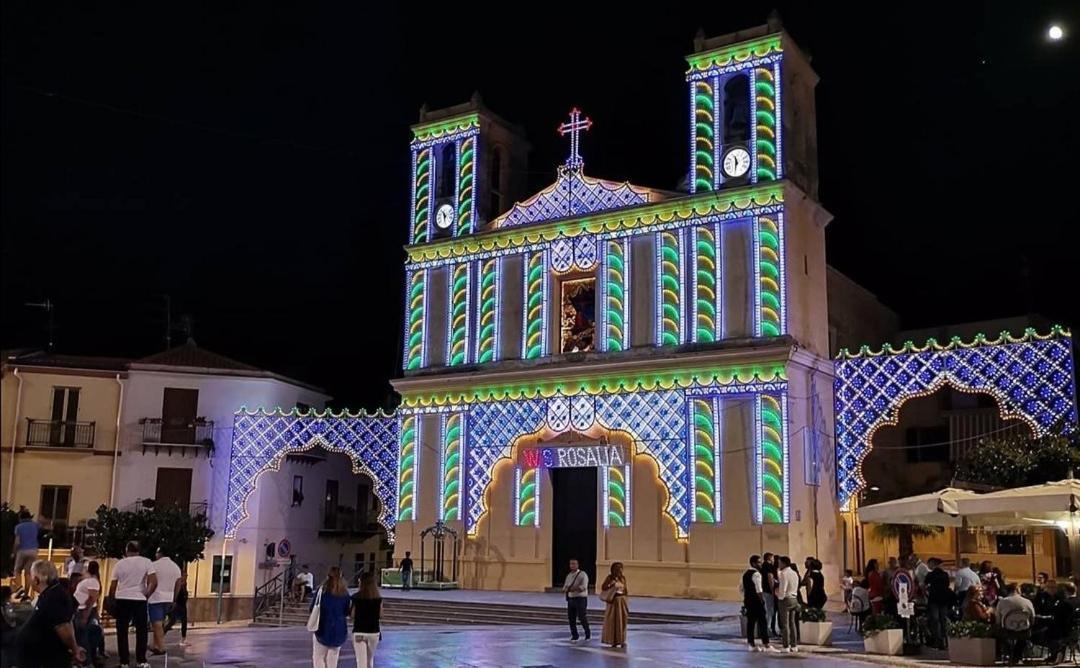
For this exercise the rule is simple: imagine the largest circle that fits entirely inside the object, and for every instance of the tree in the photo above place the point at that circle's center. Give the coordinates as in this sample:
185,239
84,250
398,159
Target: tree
180,534
1019,461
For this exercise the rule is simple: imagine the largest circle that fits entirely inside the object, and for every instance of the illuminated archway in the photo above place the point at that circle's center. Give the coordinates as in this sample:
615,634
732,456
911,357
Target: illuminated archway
262,440
1030,376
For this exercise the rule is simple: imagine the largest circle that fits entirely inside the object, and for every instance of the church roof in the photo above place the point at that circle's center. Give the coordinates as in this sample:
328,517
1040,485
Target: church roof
192,356
574,194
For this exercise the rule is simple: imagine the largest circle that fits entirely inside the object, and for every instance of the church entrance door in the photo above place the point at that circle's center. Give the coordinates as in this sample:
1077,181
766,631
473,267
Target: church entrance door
573,524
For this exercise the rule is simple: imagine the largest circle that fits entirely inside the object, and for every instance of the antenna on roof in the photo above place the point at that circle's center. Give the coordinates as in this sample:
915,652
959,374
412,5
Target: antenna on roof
49,309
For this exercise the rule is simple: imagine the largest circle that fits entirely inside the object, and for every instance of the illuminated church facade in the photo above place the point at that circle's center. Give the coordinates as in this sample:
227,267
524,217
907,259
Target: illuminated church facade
612,372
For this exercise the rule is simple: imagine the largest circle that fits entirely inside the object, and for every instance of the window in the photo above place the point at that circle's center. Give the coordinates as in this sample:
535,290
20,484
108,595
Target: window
221,581
297,491
1011,543
65,413
55,504
179,409
578,315
363,503
927,444
736,110
330,507
447,163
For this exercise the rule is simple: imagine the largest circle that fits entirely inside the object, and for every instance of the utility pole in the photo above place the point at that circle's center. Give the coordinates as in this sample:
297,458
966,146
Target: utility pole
50,309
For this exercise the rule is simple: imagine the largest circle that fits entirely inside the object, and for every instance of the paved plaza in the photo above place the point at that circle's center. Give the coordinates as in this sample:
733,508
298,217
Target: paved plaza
684,645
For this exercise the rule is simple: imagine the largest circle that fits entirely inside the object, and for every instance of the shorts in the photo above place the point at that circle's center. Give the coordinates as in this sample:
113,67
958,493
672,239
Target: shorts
158,611
24,558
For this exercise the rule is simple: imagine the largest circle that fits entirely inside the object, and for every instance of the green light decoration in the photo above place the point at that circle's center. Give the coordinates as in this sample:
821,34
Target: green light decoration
704,136
445,128
706,305
765,99
452,467
407,468
528,495
772,459
422,196
486,346
734,53
415,344
616,288
769,280
466,172
459,315
535,305
671,307
706,461
618,501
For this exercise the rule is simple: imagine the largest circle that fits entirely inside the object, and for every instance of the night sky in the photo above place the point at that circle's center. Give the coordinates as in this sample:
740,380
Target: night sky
252,162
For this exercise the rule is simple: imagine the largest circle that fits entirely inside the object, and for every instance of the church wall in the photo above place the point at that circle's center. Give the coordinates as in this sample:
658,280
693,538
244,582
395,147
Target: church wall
436,317
807,291
643,292
736,278
511,304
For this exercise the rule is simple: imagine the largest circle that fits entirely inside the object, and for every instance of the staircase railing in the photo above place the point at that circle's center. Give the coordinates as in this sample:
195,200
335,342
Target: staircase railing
269,595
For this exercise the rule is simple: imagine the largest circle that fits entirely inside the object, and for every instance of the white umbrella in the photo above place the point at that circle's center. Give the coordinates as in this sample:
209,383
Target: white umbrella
938,508
1038,506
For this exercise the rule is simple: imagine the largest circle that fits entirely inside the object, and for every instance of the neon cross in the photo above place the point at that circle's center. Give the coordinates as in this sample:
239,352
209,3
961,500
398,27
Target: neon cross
574,128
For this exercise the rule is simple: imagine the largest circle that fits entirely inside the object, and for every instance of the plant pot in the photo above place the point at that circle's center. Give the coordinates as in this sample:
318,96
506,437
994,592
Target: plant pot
972,651
889,641
815,633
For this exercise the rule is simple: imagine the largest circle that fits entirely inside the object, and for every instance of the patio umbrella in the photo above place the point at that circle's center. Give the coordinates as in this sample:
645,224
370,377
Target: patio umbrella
1052,504
936,508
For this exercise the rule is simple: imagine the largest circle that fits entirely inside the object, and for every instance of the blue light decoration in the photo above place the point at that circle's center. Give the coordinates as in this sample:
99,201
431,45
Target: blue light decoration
262,440
1030,376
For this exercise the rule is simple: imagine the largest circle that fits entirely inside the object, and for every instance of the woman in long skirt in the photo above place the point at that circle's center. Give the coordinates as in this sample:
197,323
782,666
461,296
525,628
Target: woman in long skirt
617,611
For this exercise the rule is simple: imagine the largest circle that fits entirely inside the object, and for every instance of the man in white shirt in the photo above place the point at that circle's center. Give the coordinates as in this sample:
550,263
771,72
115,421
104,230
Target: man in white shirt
133,580
787,591
964,578
1015,615
576,589
161,600
303,583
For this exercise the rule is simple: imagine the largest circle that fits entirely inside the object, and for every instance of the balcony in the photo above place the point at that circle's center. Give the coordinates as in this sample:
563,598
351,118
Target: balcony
194,508
192,437
346,521
78,436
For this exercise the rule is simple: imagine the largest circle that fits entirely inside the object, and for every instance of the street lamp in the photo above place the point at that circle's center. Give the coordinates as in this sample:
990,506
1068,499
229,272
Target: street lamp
1055,32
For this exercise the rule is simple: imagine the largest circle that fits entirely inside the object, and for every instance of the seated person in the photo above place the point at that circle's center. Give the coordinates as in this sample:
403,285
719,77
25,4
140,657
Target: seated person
1014,615
974,608
303,583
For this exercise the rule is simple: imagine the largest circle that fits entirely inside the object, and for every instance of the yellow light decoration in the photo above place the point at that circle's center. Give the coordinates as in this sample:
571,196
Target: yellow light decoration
1030,334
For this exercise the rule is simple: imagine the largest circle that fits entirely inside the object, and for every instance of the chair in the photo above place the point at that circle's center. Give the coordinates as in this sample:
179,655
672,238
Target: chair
1015,629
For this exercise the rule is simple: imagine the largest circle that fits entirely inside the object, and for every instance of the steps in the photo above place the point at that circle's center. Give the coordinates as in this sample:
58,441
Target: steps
398,612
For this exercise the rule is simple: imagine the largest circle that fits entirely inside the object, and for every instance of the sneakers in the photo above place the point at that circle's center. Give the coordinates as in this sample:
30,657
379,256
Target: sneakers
752,648
142,665
772,649
574,638
795,648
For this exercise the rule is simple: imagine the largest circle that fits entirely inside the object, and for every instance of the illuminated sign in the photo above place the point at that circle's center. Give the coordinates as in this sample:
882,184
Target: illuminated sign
573,456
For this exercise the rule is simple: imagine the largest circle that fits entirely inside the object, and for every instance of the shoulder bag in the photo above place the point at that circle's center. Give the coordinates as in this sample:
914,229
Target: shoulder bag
313,618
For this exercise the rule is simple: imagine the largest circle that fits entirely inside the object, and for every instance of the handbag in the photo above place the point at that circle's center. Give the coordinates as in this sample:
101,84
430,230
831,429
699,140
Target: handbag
313,618
572,585
608,595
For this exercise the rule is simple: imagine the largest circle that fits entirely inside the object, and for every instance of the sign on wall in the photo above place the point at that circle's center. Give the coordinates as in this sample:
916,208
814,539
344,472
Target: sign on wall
572,456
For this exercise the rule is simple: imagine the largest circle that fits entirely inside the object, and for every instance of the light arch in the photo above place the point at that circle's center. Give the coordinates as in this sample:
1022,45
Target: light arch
1031,377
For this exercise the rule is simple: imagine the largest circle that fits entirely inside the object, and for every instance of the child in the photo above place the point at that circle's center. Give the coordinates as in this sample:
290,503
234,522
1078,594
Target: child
847,583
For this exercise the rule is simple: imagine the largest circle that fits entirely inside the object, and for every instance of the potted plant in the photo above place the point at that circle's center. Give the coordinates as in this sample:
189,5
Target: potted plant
972,643
882,635
814,627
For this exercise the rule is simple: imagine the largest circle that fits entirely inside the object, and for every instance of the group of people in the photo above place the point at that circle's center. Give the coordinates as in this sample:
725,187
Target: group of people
64,627
330,609
1045,611
772,590
613,593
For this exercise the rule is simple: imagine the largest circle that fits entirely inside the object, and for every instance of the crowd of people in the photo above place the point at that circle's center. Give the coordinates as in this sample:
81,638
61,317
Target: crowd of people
64,627
1045,612
773,594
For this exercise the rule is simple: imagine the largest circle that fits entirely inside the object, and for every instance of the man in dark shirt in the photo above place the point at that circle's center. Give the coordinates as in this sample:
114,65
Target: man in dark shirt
939,599
47,639
768,584
406,571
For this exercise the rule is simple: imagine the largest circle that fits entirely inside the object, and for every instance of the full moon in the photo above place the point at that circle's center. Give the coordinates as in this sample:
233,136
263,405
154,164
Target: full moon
1055,32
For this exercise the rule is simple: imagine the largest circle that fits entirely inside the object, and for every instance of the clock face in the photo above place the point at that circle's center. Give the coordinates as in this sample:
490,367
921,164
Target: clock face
444,217
736,162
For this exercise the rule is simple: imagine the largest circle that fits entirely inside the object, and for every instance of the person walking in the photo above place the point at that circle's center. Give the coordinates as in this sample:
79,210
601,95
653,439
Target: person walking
133,580
179,610
47,638
161,600
939,601
406,572
617,612
754,602
367,608
576,588
768,583
25,550
815,584
787,600
333,603
87,625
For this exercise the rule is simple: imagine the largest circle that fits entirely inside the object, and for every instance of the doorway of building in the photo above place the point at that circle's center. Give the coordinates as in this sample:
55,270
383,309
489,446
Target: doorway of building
573,522
173,487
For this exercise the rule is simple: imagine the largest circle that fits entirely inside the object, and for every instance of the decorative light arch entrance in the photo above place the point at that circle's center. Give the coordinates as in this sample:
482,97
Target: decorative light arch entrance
262,440
1031,377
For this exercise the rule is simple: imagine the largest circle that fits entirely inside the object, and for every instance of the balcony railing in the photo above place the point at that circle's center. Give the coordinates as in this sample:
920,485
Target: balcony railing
195,435
194,508
346,520
59,434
